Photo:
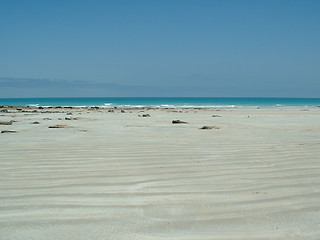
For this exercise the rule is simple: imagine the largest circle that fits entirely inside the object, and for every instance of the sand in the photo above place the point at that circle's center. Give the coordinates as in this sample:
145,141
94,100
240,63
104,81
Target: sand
121,176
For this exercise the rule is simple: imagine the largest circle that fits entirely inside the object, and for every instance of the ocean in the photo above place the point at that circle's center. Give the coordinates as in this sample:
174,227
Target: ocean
166,102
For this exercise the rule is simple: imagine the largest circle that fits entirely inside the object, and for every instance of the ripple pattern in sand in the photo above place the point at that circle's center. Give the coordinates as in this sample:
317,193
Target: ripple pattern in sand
162,183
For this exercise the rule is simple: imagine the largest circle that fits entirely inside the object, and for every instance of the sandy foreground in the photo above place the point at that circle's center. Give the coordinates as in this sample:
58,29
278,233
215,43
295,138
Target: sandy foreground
120,176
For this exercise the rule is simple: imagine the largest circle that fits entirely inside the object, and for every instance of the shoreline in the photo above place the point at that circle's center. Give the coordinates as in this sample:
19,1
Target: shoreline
168,103
207,108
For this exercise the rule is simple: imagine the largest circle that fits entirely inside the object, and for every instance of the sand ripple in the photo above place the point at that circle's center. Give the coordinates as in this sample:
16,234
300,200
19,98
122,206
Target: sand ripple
243,181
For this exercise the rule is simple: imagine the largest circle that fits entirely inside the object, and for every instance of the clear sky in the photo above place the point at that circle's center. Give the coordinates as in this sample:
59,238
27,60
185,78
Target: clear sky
257,48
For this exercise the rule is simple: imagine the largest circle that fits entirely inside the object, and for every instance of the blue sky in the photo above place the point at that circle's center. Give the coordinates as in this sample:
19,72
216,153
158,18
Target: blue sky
160,48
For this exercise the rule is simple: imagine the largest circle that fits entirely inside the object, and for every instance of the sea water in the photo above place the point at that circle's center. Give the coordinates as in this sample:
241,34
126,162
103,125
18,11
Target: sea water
166,102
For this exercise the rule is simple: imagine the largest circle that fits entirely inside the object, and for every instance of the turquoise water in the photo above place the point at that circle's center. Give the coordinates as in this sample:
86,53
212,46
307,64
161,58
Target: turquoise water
167,102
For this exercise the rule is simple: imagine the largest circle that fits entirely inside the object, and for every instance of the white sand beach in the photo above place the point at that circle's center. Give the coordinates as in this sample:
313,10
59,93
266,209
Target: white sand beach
120,176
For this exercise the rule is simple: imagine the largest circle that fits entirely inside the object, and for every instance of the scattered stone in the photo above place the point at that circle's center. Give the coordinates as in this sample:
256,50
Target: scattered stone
58,126
35,123
178,122
216,116
70,118
144,115
6,123
210,127
69,113
4,110
8,131
47,119
111,110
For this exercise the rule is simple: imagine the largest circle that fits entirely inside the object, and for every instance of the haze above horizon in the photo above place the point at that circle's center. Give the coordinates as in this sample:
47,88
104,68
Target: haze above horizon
160,48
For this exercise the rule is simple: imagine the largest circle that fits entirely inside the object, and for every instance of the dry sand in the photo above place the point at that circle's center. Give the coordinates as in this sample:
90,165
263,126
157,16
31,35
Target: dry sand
120,176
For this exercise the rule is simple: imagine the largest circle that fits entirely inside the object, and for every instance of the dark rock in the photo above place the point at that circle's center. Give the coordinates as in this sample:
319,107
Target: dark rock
58,126
111,110
70,118
216,116
47,119
144,115
35,123
209,127
123,111
40,107
69,113
6,123
8,131
4,110
178,122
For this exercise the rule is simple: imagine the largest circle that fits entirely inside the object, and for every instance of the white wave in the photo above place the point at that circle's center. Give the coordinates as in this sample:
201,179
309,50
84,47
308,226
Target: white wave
207,106
33,105
132,106
166,106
